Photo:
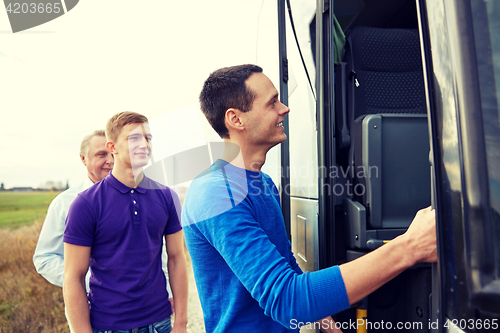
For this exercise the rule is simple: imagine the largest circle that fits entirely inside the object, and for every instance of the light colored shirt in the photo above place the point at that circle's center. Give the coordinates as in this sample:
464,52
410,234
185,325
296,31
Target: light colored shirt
49,253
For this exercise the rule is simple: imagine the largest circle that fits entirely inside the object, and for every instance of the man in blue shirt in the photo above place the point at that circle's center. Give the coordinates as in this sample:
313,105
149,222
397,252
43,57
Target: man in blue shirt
117,226
247,277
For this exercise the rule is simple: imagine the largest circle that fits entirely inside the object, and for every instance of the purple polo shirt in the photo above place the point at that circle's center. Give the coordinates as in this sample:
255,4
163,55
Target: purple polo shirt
124,227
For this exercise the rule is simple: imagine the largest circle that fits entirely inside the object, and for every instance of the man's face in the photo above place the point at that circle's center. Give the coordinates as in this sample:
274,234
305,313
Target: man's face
264,122
99,161
134,145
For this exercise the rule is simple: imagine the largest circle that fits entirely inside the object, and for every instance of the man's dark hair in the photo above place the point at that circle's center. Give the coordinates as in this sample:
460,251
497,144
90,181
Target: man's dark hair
224,89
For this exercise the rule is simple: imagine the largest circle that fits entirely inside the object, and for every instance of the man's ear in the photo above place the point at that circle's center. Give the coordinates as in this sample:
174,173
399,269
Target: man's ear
233,119
83,160
111,147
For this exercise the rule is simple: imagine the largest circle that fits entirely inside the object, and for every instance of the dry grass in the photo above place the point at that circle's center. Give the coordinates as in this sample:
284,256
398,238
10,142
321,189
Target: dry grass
28,303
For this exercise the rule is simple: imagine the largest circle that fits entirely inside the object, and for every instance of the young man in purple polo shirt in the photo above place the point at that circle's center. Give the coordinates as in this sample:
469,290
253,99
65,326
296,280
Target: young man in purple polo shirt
117,226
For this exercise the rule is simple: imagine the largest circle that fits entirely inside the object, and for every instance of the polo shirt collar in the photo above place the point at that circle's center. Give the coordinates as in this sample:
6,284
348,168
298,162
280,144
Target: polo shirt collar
124,188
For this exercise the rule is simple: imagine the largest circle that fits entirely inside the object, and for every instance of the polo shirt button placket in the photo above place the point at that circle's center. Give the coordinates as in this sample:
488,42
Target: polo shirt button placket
135,216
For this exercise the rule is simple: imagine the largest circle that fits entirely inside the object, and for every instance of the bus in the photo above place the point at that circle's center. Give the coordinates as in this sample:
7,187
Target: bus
394,106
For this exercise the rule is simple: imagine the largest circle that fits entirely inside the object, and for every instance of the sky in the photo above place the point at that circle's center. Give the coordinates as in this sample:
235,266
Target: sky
65,78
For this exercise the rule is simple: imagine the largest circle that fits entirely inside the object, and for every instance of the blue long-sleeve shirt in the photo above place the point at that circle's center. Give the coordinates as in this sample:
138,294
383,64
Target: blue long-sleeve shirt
246,275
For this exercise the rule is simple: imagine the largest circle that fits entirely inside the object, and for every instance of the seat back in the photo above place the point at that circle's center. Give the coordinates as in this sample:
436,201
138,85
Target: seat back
392,161
381,120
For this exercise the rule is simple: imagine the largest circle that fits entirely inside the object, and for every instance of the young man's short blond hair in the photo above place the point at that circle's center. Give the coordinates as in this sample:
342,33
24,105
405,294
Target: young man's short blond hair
116,123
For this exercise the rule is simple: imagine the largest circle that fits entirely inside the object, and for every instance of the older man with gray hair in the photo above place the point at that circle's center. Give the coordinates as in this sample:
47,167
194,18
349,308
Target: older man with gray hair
49,253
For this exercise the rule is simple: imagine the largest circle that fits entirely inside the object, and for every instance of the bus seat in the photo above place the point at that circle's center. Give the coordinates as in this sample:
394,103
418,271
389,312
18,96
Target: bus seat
392,163
382,123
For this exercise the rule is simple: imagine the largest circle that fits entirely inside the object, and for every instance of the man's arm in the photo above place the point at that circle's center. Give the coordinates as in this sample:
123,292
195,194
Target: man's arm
164,261
327,324
49,253
177,272
368,273
76,265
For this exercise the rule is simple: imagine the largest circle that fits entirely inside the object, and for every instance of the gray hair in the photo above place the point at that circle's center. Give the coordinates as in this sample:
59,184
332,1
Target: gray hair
84,148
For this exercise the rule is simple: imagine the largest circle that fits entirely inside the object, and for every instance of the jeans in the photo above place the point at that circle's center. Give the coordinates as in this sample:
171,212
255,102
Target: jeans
164,326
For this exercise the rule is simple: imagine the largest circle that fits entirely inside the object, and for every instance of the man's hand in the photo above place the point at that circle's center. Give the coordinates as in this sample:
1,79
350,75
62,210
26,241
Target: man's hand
369,272
421,236
179,329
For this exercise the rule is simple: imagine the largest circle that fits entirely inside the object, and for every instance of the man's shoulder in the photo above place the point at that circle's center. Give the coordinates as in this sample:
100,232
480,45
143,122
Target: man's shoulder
151,184
159,189
216,185
71,193
212,194
206,182
96,192
91,201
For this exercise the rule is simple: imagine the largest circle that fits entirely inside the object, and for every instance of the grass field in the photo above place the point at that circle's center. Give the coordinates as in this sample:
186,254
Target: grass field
22,208
28,303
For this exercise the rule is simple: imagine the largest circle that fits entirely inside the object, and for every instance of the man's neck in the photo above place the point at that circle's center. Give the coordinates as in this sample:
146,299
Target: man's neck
128,176
249,158
90,178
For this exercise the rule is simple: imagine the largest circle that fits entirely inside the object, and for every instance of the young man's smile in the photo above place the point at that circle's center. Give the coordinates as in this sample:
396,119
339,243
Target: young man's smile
267,113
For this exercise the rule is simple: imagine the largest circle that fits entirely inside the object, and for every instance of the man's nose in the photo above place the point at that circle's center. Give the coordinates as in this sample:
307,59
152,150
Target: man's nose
110,159
144,142
284,109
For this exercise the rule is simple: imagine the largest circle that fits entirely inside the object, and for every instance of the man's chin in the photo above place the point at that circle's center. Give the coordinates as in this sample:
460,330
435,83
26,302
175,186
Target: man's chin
276,143
103,175
283,139
140,163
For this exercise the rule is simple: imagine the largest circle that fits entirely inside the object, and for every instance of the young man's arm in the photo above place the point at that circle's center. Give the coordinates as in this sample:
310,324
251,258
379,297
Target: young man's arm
177,272
76,265
368,273
327,324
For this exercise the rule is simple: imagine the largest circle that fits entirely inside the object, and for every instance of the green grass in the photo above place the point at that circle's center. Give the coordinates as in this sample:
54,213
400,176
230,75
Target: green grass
23,208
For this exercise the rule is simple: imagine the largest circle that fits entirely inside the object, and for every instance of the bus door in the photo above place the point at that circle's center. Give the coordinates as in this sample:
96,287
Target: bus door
461,44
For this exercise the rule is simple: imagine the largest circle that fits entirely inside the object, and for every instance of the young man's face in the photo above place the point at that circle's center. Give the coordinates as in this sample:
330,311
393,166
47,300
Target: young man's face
99,161
264,122
133,145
